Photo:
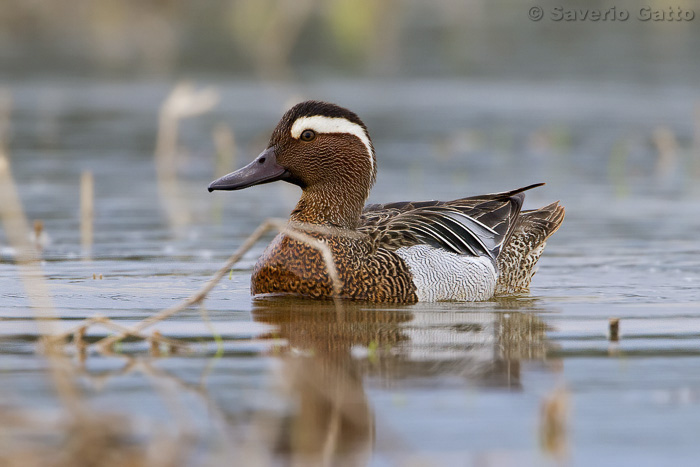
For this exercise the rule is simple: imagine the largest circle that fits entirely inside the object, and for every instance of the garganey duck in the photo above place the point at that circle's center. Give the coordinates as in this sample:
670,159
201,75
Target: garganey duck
467,249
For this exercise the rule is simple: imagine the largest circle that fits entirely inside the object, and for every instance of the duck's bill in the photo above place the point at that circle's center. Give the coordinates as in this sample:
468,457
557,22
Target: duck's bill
264,169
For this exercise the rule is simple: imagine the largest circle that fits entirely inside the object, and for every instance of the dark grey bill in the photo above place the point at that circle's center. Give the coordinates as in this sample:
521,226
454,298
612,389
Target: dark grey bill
264,169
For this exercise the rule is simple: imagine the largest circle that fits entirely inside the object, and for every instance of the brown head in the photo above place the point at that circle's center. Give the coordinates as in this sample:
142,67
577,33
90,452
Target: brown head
327,151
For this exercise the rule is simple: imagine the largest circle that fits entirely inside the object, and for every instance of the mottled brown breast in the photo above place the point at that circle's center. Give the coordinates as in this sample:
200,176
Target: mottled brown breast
367,273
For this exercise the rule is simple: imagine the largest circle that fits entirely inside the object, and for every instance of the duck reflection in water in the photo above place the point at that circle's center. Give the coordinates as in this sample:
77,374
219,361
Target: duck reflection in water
330,355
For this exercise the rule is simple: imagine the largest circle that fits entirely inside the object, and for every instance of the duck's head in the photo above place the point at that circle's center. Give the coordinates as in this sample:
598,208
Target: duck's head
326,150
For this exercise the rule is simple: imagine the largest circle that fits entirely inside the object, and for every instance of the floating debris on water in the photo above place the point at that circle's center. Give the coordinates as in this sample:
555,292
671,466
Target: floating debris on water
39,237
614,329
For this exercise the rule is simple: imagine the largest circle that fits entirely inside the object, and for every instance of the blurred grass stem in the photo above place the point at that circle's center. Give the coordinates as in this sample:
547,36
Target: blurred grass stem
183,102
270,224
87,196
18,233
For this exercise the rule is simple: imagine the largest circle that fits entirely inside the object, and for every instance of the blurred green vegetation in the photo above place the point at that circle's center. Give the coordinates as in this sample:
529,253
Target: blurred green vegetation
317,38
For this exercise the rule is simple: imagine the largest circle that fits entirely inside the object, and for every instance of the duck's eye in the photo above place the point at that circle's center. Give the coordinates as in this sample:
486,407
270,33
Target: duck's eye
308,135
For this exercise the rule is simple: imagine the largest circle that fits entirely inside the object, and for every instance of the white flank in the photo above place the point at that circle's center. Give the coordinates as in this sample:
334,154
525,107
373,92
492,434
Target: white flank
321,124
440,275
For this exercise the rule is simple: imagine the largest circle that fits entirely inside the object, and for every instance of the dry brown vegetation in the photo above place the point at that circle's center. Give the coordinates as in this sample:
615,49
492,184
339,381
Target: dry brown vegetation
78,434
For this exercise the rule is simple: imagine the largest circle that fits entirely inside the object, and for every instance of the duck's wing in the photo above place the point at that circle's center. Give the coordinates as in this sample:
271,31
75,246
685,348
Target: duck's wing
476,226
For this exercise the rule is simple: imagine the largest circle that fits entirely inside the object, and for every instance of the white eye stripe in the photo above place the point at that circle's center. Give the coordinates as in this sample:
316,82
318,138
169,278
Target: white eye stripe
321,124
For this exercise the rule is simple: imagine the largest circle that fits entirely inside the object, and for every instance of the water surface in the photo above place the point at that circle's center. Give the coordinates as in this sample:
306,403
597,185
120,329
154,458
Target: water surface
449,383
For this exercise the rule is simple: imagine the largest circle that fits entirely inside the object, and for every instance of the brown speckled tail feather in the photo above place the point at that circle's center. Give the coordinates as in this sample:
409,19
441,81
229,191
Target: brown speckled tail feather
517,260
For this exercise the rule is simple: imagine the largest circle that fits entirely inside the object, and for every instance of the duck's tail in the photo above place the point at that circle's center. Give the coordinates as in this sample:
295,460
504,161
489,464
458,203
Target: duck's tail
517,259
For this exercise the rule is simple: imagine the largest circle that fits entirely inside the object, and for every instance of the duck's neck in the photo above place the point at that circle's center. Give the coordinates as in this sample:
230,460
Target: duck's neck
330,205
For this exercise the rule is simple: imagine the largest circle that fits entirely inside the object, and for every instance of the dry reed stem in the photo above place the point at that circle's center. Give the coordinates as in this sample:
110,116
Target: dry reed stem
156,376
216,417
5,108
554,415
667,151
326,253
99,381
137,364
18,233
83,325
292,230
614,329
154,347
39,237
696,142
87,211
196,297
183,102
88,437
79,342
330,444
168,394
217,338
282,226
166,386
155,337
81,328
